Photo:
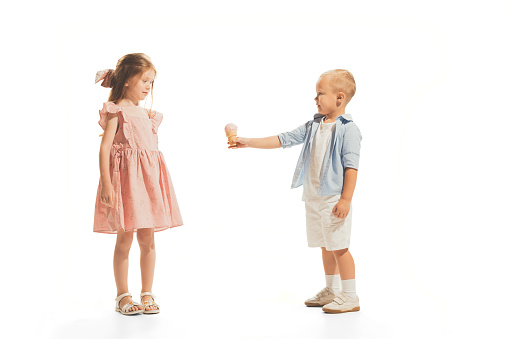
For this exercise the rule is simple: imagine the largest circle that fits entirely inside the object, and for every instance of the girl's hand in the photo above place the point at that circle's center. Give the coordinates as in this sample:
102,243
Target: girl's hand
107,195
241,143
341,209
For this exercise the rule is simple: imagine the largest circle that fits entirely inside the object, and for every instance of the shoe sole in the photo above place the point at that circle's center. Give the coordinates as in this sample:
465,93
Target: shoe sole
355,309
151,312
315,304
128,313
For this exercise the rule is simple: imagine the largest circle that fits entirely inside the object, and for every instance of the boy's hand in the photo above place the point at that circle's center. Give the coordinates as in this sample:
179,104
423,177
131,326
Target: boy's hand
241,143
341,209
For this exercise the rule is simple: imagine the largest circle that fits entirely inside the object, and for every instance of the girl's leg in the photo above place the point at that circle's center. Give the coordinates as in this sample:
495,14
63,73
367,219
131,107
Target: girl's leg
147,261
121,265
345,264
329,262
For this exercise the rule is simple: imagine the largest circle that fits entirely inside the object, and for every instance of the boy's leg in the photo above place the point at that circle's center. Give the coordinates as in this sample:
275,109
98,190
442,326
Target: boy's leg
338,237
346,267
121,265
347,300
315,239
345,263
330,266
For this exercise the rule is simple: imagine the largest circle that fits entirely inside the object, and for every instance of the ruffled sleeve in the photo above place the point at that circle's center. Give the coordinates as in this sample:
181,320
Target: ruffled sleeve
109,107
123,120
156,121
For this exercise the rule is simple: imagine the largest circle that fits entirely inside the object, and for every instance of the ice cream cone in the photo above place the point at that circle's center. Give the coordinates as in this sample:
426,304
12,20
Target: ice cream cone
232,134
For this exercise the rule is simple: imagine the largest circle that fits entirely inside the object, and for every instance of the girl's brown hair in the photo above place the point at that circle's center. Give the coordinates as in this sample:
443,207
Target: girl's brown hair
128,67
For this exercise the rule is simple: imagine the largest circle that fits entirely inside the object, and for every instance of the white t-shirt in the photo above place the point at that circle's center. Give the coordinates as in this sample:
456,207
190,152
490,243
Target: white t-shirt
319,146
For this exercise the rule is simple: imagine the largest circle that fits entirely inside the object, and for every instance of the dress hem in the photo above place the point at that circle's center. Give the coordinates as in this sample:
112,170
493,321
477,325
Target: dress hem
159,229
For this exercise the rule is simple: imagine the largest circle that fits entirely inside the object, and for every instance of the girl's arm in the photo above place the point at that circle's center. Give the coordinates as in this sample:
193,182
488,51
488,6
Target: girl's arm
104,151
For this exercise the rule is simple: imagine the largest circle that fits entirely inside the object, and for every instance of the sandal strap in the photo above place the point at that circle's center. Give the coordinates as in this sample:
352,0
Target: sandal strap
147,293
127,306
120,297
150,303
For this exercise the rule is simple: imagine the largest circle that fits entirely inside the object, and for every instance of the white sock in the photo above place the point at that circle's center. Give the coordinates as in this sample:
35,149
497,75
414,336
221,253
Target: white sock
332,281
348,287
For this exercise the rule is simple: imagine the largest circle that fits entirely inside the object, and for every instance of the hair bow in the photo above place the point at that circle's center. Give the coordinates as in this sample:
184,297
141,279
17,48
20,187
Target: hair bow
105,76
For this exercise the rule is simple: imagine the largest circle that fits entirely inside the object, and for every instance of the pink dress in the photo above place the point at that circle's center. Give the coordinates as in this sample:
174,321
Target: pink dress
143,191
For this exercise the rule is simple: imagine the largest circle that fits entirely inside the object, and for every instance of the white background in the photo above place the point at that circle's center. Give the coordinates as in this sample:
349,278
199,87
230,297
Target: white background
430,224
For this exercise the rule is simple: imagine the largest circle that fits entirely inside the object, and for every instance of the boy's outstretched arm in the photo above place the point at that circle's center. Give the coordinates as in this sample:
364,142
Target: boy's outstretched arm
265,143
284,140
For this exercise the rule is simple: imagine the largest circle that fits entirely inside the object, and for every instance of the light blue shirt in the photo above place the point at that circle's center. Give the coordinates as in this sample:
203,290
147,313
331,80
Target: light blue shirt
342,152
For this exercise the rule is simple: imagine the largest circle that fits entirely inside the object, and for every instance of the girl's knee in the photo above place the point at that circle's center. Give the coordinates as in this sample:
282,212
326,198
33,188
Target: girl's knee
146,238
124,241
124,237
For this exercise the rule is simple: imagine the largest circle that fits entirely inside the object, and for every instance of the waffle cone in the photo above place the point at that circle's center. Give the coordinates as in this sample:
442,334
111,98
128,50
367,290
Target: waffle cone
231,137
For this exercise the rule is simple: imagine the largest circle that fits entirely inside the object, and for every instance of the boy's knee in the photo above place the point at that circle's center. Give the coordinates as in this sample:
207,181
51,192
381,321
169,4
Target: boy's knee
337,252
340,252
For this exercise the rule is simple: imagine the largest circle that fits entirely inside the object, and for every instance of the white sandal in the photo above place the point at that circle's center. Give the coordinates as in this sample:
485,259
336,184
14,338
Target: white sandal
149,303
127,306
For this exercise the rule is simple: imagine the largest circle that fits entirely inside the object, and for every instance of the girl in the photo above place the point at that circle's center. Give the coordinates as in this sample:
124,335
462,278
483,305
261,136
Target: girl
135,192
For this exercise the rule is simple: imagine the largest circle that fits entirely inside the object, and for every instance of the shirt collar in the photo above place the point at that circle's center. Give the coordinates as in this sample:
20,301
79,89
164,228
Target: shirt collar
345,116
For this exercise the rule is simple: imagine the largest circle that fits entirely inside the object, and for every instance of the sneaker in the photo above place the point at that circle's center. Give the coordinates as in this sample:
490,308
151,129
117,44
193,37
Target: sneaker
342,303
323,297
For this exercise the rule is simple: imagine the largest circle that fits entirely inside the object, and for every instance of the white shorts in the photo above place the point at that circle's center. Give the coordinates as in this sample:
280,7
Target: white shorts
323,228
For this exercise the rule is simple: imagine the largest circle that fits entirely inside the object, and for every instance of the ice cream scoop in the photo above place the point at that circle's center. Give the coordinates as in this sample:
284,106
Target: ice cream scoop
230,127
231,133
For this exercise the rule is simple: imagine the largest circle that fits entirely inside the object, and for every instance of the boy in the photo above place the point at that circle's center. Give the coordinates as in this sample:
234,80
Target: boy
327,168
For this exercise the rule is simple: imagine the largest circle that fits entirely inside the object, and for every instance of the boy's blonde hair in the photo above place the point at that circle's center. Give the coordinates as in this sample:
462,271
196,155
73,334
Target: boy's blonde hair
342,81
